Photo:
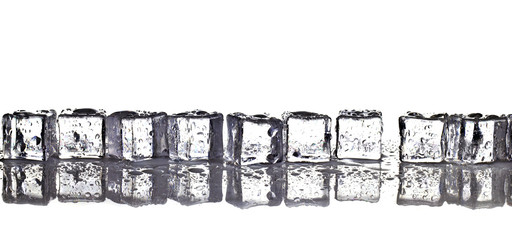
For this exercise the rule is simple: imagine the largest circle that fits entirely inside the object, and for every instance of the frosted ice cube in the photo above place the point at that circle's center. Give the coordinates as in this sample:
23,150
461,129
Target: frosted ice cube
196,135
307,184
307,137
357,181
30,135
81,133
195,183
359,134
421,184
80,181
421,137
483,138
137,135
254,139
25,183
250,186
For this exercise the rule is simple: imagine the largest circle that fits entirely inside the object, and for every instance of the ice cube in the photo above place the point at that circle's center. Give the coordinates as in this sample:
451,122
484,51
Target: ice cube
254,139
195,183
30,136
81,133
137,184
421,184
80,181
307,137
421,137
136,135
358,181
250,186
26,183
483,138
196,135
452,138
307,184
359,134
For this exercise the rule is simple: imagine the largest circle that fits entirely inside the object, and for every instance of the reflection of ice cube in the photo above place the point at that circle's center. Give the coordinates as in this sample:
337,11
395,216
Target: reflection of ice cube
195,135
481,186
421,184
421,137
359,134
30,135
81,133
80,181
136,136
195,183
254,139
358,182
255,186
307,185
308,137
25,183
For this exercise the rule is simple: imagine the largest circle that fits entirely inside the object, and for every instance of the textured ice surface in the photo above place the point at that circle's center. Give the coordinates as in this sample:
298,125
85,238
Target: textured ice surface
25,182
138,184
81,133
80,181
359,134
196,135
195,183
358,181
254,139
308,137
29,135
250,186
307,184
421,184
483,139
136,136
421,137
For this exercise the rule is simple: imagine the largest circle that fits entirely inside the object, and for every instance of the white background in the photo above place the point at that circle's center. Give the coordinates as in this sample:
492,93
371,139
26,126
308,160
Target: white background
256,56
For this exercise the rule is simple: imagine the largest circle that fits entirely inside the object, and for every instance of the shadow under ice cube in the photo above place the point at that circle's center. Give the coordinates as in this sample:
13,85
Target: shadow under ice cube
308,137
195,183
136,136
421,184
358,181
254,139
421,137
80,181
359,134
25,183
250,186
196,135
81,133
30,135
307,184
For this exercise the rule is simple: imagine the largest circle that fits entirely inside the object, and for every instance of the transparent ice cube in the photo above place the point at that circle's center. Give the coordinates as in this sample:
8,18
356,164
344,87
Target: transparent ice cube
307,184
421,137
359,134
30,136
196,135
81,133
250,186
358,181
421,184
483,138
80,181
254,139
307,137
25,183
195,183
136,136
